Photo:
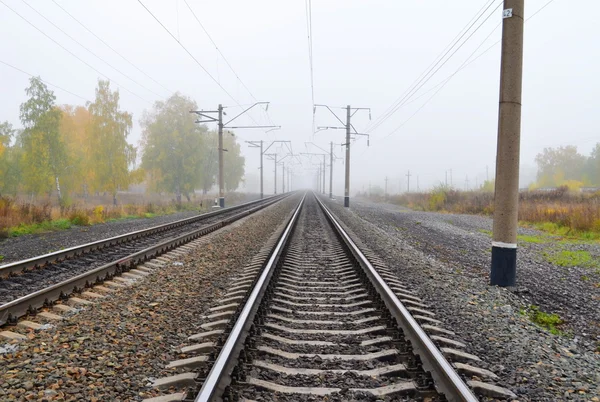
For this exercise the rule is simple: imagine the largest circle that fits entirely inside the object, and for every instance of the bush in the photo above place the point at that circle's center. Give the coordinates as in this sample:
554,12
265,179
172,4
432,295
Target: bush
79,218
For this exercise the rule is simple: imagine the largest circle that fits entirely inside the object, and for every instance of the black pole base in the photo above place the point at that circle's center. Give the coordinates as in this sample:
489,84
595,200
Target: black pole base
222,202
504,267
347,202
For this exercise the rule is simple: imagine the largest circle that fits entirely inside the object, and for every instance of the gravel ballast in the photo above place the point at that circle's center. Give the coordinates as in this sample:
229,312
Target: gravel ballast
113,349
533,363
28,246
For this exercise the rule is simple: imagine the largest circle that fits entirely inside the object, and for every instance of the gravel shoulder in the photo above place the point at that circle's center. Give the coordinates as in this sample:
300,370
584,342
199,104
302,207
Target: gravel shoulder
446,258
28,246
112,350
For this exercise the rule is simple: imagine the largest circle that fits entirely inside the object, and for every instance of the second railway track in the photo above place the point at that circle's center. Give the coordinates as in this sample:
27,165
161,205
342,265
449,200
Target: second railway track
316,321
28,285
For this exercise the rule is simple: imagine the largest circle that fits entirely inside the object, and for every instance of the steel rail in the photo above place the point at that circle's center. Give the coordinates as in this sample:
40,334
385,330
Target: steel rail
446,379
219,376
44,297
20,266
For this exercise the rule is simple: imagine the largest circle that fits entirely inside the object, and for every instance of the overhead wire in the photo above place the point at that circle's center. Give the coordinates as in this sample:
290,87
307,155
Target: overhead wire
465,64
308,6
89,50
188,52
224,58
435,66
110,47
45,81
73,54
196,60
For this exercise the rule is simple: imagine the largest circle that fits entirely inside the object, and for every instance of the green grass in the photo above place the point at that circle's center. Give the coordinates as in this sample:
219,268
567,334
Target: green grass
1,257
567,258
531,239
550,321
485,231
46,226
567,233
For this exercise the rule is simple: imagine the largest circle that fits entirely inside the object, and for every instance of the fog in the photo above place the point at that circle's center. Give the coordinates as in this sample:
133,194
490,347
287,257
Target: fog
365,54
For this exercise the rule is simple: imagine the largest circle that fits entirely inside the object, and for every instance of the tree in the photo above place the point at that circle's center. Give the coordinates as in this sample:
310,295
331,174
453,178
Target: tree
593,166
6,135
556,166
44,157
112,155
174,151
75,129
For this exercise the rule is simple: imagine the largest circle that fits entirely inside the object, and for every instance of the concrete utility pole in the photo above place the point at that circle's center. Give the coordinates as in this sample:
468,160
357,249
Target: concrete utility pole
330,170
506,197
347,177
418,184
321,170
219,120
348,127
259,144
408,182
282,177
386,181
273,157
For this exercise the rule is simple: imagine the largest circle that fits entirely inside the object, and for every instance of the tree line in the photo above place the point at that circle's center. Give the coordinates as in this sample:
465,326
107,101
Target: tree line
565,166
69,150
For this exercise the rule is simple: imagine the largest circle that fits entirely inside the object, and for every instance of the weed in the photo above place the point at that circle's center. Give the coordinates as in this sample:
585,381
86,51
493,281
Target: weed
585,278
550,321
485,231
567,258
79,218
531,239
1,257
45,226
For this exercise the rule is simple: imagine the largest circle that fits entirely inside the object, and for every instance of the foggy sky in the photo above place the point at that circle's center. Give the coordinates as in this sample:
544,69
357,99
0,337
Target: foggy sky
366,54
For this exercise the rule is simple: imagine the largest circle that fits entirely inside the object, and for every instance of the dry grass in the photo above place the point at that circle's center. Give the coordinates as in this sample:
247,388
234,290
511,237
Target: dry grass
18,217
559,211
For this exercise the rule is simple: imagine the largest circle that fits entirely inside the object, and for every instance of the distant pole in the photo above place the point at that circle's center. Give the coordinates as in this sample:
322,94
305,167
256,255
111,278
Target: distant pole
282,177
418,184
324,170
275,185
221,182
347,183
446,178
386,181
262,194
408,182
506,197
450,177
330,170
487,176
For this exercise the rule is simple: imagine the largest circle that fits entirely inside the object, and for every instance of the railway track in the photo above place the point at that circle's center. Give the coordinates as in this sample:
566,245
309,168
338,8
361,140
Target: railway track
26,286
311,318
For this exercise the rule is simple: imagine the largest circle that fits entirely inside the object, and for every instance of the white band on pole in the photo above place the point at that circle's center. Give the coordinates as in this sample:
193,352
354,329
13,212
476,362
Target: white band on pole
503,245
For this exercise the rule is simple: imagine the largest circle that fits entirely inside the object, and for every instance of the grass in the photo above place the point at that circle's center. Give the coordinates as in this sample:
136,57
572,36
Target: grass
531,239
485,231
568,258
549,321
42,227
23,218
561,212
